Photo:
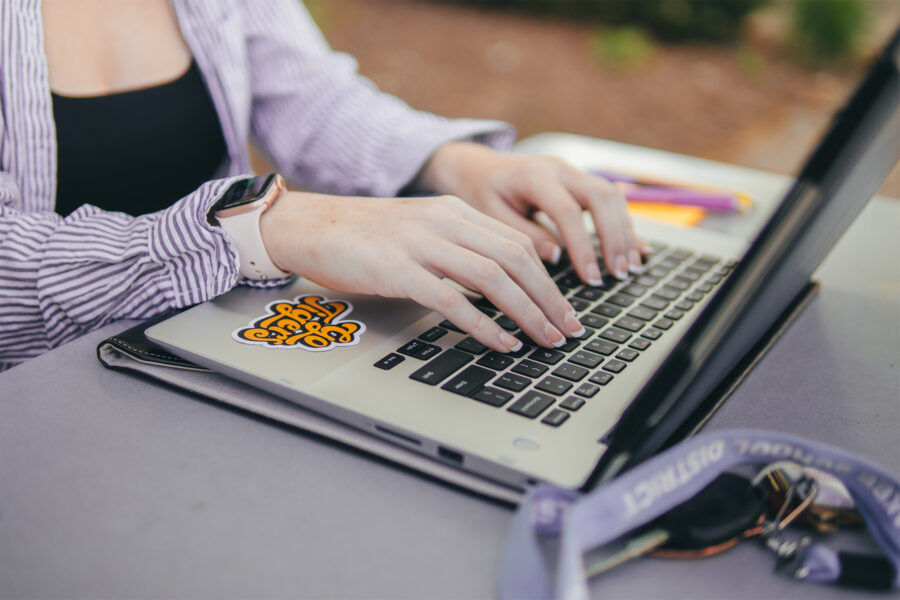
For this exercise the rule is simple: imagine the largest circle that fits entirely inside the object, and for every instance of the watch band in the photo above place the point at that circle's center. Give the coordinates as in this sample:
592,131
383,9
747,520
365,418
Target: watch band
241,223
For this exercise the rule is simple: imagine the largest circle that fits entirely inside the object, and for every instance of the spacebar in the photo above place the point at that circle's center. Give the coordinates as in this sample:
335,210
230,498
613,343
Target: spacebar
441,367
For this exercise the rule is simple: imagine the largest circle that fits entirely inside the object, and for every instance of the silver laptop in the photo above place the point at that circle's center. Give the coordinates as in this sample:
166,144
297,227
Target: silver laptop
657,345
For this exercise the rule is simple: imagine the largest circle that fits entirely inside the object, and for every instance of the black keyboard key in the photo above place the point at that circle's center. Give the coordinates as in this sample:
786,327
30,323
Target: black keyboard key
523,337
554,386
601,347
589,293
634,289
606,310
530,369
620,299
572,403
639,344
692,274
704,288
506,323
663,323
468,381
628,354
614,366
525,349
488,311
484,303
555,269
419,349
471,345
684,305
531,404
654,302
674,314
681,254
594,321
643,313
433,334
679,283
496,361
569,281
658,272
511,381
492,396
546,356
571,344
694,296
631,324
667,293
555,418
615,335
448,325
571,372
714,279
586,359
651,334
390,361
441,367
647,280
588,390
601,378
579,305
669,263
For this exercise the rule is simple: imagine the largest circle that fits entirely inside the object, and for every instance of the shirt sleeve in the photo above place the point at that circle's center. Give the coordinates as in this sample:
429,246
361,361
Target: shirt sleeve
62,277
326,127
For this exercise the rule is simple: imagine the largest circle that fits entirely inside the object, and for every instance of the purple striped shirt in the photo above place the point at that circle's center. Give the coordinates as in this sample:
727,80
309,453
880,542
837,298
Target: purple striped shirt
274,81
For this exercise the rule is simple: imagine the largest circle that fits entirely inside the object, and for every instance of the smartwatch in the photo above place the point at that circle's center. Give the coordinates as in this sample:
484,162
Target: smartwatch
238,212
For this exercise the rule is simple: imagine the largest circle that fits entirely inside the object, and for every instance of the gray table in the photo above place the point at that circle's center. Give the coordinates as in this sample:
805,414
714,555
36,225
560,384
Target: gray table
112,487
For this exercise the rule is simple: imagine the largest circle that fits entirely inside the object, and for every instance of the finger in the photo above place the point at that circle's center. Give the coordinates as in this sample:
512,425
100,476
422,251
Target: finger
621,251
532,279
498,226
428,290
545,243
486,276
566,212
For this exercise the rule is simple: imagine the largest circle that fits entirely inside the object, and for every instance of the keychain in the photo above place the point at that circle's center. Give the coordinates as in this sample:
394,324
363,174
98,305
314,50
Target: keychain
686,502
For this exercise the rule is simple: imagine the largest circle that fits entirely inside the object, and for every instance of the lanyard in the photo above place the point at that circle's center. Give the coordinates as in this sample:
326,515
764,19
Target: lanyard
587,521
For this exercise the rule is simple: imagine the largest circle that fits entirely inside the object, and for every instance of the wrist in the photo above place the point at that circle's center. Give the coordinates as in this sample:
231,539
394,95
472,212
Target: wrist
451,166
239,213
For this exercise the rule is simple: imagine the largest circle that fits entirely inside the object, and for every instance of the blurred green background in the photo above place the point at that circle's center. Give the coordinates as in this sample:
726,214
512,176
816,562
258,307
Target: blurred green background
752,82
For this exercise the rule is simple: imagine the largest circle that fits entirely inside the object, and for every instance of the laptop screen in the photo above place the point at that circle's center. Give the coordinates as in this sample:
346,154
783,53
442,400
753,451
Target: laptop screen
847,167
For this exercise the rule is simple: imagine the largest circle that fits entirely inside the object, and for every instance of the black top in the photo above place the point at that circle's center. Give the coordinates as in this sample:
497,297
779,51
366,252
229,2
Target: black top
137,151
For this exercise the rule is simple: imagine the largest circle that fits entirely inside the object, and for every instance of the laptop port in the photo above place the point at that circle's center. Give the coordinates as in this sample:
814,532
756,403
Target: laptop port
450,455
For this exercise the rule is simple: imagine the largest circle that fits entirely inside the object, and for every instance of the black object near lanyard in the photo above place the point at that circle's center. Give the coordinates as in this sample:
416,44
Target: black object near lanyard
136,151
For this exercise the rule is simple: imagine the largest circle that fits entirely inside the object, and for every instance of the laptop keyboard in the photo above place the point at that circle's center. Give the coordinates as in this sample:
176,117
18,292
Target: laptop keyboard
621,319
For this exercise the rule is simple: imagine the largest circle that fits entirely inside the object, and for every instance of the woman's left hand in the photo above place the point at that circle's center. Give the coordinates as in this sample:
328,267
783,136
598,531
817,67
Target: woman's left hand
511,188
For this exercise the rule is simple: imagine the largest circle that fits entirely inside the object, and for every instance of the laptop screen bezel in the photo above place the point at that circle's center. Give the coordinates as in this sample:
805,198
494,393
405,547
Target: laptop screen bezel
683,381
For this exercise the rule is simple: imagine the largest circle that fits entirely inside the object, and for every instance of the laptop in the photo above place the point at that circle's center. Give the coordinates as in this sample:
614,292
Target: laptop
658,343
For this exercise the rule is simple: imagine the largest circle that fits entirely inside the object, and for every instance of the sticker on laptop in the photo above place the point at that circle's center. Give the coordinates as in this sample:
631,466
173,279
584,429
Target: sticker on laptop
308,322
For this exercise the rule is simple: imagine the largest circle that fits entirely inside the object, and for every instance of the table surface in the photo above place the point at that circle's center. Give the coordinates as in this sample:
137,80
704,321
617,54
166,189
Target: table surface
111,486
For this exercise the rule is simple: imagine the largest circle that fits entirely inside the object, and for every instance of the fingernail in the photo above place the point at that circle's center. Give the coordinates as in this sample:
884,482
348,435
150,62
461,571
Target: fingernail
553,334
634,260
553,251
574,328
510,342
593,272
621,267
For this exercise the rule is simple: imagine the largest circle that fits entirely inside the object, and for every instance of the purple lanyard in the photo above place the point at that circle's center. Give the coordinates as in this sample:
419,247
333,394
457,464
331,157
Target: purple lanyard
587,521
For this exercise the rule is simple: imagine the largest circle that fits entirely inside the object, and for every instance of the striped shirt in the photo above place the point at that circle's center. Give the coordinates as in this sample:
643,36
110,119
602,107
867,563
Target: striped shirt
274,81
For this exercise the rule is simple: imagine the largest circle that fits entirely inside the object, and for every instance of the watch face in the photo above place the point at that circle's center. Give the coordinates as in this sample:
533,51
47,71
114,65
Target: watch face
245,191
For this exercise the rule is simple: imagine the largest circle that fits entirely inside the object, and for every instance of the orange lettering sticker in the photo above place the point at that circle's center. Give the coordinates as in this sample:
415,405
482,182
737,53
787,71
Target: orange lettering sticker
308,322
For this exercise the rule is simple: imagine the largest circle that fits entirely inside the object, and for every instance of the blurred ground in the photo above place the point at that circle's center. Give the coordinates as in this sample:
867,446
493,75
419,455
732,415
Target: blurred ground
542,75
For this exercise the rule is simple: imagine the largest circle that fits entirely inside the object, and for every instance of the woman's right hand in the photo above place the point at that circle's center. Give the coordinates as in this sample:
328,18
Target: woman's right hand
404,247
